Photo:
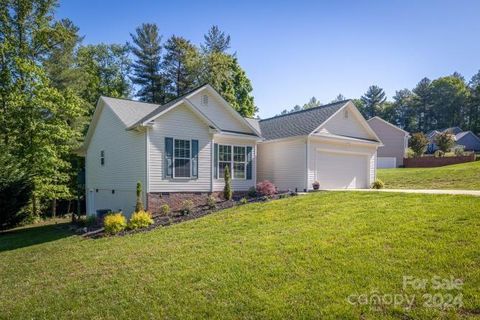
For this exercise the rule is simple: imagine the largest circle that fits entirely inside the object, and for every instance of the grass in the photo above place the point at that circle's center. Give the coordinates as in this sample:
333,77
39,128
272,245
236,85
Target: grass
458,176
292,258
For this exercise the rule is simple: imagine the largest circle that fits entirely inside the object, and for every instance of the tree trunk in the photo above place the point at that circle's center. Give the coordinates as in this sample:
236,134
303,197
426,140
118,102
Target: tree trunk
54,208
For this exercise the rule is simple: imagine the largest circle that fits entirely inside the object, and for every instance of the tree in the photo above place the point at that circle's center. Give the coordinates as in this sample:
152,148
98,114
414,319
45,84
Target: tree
449,96
146,68
418,143
339,98
403,114
312,103
105,69
227,190
474,104
422,105
216,41
445,141
373,100
139,204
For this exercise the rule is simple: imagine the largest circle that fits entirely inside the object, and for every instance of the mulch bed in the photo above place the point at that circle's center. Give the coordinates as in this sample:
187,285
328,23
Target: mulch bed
175,217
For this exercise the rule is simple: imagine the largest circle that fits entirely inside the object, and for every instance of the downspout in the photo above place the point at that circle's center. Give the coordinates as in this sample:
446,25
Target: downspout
147,165
307,171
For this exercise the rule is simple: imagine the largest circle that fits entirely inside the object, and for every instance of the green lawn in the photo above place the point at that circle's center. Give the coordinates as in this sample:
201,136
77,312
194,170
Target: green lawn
293,258
458,176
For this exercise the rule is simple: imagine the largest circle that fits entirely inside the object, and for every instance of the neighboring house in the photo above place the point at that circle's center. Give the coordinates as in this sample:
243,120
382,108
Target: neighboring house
332,144
179,150
468,139
395,143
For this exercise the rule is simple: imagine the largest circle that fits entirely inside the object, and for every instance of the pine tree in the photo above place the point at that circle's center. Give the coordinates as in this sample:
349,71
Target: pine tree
146,68
139,204
227,189
373,100
422,104
216,41
181,65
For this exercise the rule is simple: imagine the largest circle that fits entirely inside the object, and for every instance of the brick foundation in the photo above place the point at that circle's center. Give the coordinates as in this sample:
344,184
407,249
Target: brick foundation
174,199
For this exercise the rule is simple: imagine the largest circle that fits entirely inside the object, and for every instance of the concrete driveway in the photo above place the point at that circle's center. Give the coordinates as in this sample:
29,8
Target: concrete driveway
428,191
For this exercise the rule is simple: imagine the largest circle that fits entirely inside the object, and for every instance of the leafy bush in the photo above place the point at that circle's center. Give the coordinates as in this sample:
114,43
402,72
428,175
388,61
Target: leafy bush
164,209
378,184
139,204
87,221
283,196
459,150
211,201
418,143
266,188
243,201
114,223
445,141
227,190
252,192
439,153
409,153
187,207
15,192
140,219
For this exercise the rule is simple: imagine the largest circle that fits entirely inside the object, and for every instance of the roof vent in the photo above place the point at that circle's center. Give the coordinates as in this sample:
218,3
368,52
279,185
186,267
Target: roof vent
345,114
205,100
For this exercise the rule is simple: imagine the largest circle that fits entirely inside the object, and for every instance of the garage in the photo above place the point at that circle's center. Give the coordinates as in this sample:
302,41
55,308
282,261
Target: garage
341,170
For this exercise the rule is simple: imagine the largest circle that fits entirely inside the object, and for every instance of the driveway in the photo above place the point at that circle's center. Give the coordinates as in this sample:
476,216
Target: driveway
429,191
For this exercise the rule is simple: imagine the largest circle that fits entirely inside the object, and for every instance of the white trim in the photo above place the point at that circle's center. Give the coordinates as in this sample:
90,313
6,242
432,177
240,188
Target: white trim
232,162
190,160
345,139
147,161
390,124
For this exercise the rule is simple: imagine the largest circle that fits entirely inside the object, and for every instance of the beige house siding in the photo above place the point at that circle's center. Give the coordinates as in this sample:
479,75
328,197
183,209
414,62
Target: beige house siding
394,139
124,165
347,122
283,163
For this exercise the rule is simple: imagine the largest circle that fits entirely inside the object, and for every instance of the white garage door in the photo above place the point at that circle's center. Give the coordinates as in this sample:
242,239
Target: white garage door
341,170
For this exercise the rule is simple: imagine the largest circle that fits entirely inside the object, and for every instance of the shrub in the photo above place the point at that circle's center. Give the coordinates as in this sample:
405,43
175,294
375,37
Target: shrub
243,201
227,190
164,209
140,219
87,221
266,188
445,141
409,153
139,204
418,143
316,185
187,207
459,150
252,192
438,153
378,184
211,201
114,223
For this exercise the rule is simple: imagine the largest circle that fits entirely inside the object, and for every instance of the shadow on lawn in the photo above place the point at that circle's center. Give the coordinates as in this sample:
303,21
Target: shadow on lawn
29,236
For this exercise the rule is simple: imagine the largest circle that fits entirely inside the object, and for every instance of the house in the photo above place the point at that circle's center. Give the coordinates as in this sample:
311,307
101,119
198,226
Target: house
395,143
467,139
179,150
332,144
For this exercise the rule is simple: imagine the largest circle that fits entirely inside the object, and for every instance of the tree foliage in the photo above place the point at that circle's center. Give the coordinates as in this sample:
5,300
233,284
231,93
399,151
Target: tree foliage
373,101
216,41
445,141
418,143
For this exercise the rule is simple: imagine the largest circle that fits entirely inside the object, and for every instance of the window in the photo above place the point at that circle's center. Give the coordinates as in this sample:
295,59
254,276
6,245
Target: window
102,157
181,159
224,159
236,162
239,162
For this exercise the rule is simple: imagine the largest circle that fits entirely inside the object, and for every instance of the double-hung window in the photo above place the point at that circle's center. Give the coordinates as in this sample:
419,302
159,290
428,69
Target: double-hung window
233,157
181,159
239,162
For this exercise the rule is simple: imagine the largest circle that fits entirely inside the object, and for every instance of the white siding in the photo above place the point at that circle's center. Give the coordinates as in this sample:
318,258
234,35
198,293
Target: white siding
283,163
350,126
237,184
216,111
179,123
124,164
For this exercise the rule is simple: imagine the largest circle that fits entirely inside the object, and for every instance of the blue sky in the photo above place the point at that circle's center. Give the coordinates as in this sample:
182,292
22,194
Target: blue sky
298,49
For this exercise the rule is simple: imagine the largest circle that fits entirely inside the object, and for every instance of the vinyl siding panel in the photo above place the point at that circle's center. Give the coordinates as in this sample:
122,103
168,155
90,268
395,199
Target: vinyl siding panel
394,140
124,164
179,123
237,184
283,163
349,126
216,111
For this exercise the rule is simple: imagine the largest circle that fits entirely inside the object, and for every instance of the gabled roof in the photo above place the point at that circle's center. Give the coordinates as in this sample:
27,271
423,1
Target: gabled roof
129,111
300,123
460,135
388,123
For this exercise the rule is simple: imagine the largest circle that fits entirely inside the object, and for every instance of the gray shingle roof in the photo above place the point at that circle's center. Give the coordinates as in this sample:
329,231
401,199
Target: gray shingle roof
300,123
129,111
